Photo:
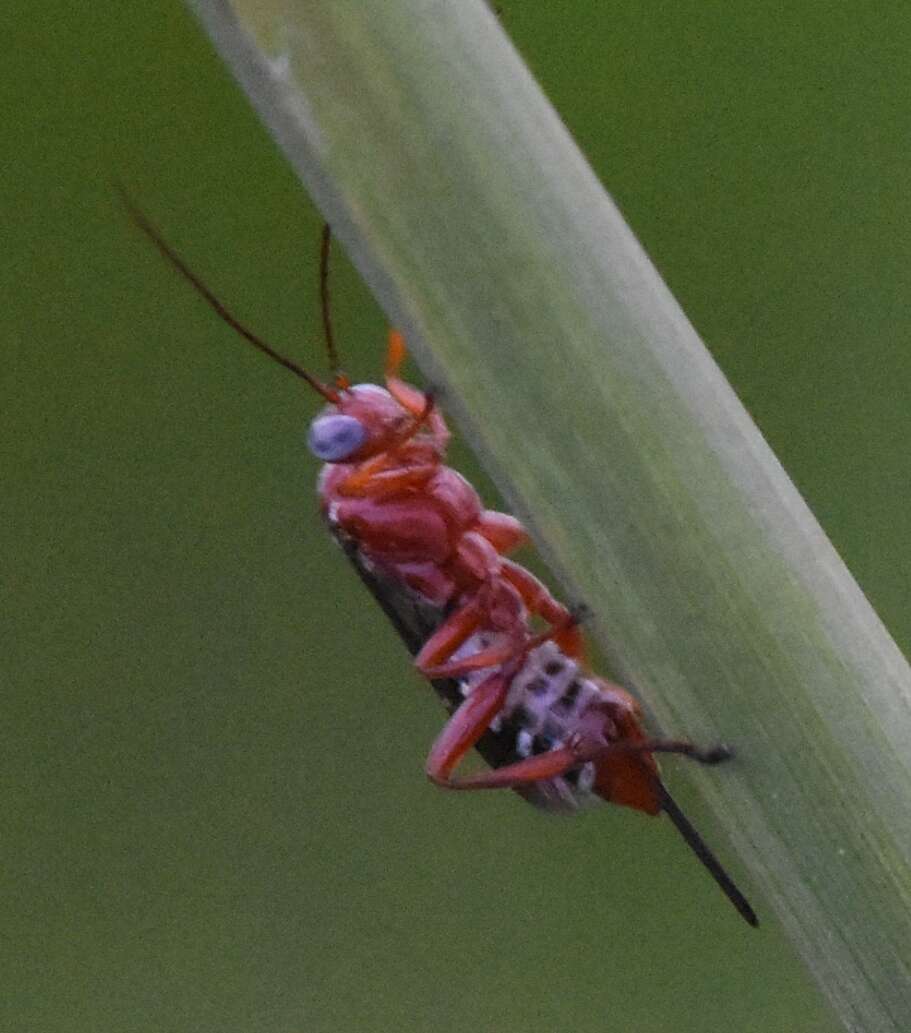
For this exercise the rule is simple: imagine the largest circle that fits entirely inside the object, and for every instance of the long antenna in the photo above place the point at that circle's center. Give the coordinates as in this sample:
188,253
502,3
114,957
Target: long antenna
214,302
324,251
711,863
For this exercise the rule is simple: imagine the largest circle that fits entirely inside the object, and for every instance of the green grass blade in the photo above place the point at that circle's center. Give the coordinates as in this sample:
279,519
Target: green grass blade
479,226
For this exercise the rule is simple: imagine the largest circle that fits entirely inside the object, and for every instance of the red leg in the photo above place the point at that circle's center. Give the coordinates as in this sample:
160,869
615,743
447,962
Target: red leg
711,755
467,725
541,603
453,632
476,559
494,606
541,768
492,656
473,718
497,607
377,478
503,531
560,761
395,352
410,398
450,635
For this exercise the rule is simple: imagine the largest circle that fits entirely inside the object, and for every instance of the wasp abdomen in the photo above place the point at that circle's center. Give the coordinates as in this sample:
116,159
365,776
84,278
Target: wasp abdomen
549,700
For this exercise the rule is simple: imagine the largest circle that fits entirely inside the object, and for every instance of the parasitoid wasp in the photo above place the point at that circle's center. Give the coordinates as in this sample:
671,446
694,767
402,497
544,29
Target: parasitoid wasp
435,560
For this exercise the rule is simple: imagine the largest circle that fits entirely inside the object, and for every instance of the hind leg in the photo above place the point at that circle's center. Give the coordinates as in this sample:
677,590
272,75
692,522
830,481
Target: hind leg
543,767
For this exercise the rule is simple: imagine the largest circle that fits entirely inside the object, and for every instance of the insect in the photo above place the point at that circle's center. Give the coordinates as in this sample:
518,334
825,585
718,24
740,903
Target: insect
505,656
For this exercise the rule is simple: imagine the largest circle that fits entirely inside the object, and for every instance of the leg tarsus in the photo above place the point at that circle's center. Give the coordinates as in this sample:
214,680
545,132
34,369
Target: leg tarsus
708,755
716,754
590,750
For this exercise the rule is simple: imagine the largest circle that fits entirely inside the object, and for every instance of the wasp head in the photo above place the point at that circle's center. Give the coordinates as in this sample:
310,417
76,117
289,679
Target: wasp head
363,421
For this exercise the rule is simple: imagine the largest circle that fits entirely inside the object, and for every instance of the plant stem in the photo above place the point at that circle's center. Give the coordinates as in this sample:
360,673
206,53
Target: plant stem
486,237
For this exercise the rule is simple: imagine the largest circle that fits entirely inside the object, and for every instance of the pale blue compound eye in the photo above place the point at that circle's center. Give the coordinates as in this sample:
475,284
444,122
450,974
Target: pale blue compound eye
334,438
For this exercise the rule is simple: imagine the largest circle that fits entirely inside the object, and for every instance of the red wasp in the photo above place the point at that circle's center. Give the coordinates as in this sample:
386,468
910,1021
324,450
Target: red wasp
434,558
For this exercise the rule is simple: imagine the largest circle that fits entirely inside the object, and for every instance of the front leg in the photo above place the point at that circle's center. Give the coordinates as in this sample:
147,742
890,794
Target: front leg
409,397
376,479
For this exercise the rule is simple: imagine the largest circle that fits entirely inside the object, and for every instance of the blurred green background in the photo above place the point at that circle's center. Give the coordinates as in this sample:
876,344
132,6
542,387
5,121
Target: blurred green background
213,804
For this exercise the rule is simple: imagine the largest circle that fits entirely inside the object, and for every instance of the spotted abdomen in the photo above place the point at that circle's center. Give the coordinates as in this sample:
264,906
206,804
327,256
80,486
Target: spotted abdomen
549,700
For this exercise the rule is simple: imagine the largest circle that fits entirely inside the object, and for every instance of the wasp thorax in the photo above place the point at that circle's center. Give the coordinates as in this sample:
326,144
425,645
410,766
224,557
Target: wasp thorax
335,437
